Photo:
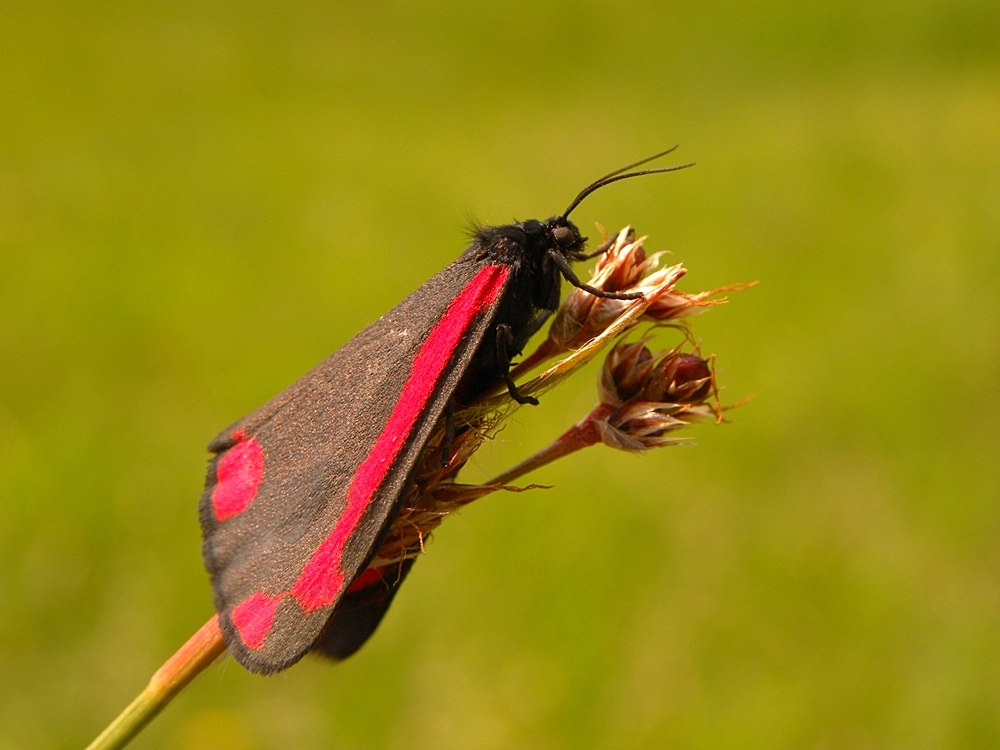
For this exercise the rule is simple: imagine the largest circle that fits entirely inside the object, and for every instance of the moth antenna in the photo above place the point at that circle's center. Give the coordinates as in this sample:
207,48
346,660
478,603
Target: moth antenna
617,175
635,164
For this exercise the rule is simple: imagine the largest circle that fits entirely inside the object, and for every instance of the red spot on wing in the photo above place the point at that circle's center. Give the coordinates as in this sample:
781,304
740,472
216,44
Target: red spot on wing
238,475
367,578
253,618
322,577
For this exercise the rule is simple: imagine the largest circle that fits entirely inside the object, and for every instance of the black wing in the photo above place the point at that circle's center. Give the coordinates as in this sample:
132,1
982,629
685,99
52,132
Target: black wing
302,488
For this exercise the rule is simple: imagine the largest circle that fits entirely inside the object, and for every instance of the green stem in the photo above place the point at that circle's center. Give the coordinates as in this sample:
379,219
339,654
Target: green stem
194,656
207,644
581,435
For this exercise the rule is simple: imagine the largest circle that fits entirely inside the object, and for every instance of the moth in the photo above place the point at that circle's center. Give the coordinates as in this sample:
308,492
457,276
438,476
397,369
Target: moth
301,491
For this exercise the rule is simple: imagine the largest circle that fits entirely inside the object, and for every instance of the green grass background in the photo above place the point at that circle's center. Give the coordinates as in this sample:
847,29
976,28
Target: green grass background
199,201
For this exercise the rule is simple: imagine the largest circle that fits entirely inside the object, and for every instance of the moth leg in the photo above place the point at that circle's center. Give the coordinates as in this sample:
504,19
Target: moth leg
573,279
599,250
505,338
547,290
449,431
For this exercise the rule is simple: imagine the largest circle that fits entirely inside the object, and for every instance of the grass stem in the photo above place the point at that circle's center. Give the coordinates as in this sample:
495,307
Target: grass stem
190,659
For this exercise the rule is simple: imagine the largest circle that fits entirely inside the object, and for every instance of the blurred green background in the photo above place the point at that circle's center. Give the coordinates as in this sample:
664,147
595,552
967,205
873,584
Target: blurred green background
199,201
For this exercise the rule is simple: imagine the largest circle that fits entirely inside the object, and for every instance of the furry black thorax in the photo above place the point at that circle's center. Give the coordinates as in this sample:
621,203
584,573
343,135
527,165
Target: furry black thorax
525,241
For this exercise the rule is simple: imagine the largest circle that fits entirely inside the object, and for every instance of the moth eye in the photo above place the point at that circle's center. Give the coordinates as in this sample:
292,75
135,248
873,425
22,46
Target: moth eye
563,235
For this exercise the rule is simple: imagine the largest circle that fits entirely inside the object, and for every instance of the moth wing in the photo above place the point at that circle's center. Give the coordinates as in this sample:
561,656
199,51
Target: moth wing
302,489
360,611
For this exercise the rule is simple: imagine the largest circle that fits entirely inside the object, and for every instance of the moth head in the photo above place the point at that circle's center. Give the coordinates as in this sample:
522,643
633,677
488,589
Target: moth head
563,236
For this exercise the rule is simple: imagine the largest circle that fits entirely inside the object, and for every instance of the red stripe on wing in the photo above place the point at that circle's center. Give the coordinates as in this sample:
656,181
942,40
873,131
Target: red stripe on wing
322,577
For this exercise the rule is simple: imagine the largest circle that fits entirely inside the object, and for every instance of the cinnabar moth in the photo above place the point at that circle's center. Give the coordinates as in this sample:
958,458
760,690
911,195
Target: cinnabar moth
301,490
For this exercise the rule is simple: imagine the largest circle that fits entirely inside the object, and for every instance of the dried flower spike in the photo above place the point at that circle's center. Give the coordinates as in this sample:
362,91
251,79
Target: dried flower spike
632,373
645,398
624,267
